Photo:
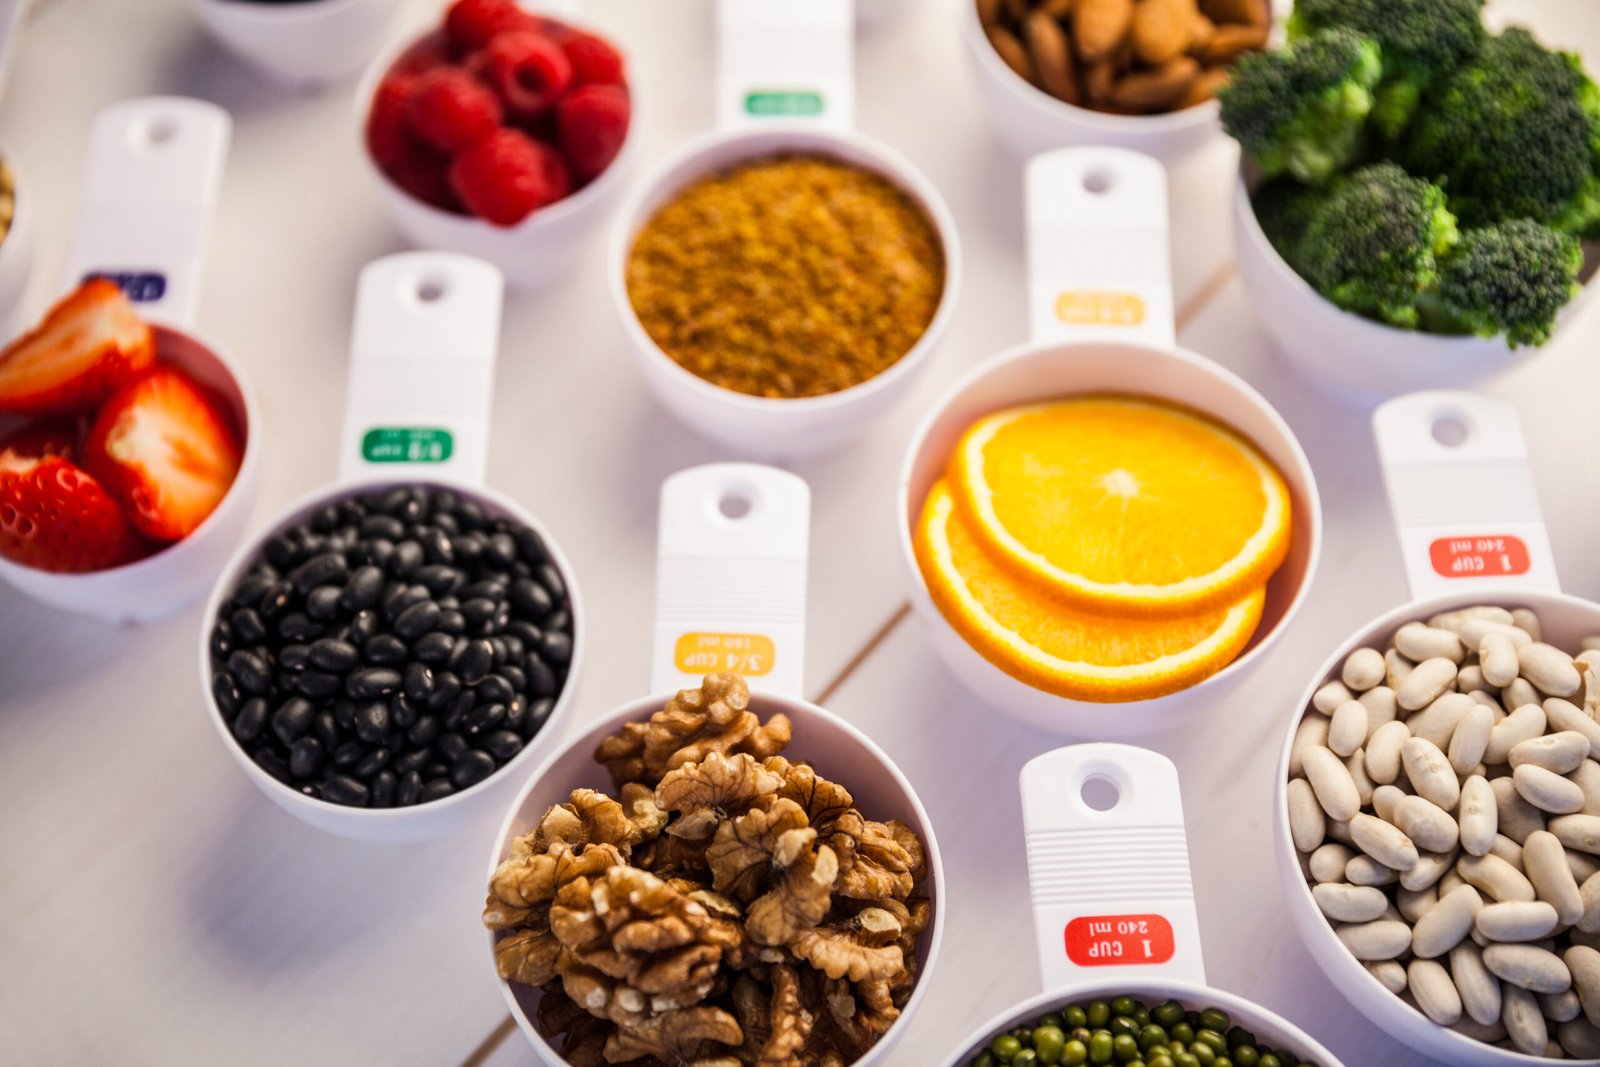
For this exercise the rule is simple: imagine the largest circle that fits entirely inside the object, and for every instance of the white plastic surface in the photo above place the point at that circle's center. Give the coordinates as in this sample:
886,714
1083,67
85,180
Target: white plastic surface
1112,896
307,43
422,355
777,59
1099,261
149,187
1462,495
731,556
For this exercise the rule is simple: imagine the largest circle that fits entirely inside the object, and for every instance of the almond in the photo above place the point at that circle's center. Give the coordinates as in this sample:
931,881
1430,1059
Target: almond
1158,89
1058,9
1100,26
1162,29
1230,42
1011,50
989,13
1098,78
1248,12
1200,35
1204,87
1052,57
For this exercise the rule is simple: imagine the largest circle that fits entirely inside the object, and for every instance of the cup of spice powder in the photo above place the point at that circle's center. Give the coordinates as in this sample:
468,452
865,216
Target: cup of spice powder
783,286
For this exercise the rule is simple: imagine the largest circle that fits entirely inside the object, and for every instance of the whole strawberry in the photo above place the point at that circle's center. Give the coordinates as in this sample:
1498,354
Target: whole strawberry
506,175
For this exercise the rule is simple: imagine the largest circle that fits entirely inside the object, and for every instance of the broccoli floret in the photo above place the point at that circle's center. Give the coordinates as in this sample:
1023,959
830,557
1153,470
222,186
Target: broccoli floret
1284,209
1509,279
1300,110
1515,133
1419,40
1372,246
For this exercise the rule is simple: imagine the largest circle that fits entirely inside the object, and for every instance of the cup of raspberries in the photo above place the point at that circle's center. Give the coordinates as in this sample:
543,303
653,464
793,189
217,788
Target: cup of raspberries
499,133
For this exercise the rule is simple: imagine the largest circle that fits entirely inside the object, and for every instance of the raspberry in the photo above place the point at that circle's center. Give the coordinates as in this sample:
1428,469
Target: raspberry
388,137
528,71
449,107
593,60
472,24
428,52
593,121
505,175
423,175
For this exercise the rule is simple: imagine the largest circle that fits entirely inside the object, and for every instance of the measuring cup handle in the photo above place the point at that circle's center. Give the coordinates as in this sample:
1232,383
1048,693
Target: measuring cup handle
1462,495
732,544
1112,895
778,59
1099,260
422,352
149,187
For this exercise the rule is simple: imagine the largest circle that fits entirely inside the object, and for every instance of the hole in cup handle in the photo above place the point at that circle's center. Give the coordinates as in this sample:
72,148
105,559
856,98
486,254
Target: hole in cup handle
778,60
1461,494
1108,861
1099,263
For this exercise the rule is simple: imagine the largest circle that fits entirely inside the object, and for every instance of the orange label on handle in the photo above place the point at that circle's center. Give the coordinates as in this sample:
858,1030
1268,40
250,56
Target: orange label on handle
748,654
1479,557
1119,940
1090,308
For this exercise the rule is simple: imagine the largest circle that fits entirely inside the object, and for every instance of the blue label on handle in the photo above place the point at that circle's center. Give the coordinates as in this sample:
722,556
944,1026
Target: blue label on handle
140,286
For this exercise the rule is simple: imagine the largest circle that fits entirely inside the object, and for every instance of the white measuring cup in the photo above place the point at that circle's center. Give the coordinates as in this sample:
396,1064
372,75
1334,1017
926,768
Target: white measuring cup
426,334
307,43
542,247
730,595
1102,323
1113,903
785,85
153,171
1471,532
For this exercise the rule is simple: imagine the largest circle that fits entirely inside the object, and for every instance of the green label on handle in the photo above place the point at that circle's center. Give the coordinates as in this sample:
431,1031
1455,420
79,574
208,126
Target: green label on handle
790,102
401,444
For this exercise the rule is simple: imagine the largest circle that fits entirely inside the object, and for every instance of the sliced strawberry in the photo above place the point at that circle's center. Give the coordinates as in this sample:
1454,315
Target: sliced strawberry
87,346
56,517
165,450
45,437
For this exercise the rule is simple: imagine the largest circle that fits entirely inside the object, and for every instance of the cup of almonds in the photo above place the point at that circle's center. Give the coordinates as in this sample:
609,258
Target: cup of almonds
1137,74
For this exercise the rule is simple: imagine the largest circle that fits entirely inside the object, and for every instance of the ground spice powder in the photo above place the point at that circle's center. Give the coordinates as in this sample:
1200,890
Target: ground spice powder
788,276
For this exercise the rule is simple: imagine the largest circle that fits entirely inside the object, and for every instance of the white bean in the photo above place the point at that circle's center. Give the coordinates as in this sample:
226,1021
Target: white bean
1480,990
1581,832
1430,772
1313,730
1478,815
1547,790
1560,753
1582,865
1438,721
1525,620
1548,668
1565,715
1419,641
1396,669
1390,974
1430,680
1430,868
1307,823
1518,818
1435,993
1497,659
1524,722
1363,669
1470,677
1455,620
1379,940
1356,764
1589,891
1328,862
1524,1021
1445,924
1383,842
1330,779
1518,693
1561,1007
1471,738
1584,963
1364,870
1347,903
1528,967
1475,632
1495,877
1383,751
1347,730
1413,905
1587,776
1508,850
1519,920
1580,1038
1381,707
1545,863
1429,826
1330,696
1386,801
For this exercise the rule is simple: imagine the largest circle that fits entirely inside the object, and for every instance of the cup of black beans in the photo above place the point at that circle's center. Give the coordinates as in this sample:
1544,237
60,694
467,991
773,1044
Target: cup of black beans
387,652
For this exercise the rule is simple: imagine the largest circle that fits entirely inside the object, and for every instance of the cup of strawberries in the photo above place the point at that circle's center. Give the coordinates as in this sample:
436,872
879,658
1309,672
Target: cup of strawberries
500,133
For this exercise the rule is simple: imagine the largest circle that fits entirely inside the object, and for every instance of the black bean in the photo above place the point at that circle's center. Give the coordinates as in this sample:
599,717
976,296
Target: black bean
329,567
495,690
281,552
450,746
436,545
472,515
472,660
344,713
503,744
247,625
363,588
501,551
271,762
275,601
425,732
404,712
318,684
372,721
371,763
448,602
418,682
376,552
553,583
473,767
514,676
468,548
457,711
364,627
352,511
370,682
526,632
408,790
416,620
557,648
446,688
447,523
325,728
250,671
451,622
383,786
385,526
529,599
436,769
250,721
411,760
516,713
325,519
538,712
349,753
559,620
493,587
225,691
322,603
407,558
306,757
530,546
432,647
342,789
435,789
385,650
332,655
541,676
478,612
292,719
415,509
221,642
250,590
297,626
294,657
482,719
440,580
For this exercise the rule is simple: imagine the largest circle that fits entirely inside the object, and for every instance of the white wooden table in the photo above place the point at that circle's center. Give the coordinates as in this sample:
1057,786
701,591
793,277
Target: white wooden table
157,909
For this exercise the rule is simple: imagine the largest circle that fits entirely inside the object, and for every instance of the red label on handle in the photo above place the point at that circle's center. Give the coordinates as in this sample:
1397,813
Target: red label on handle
1478,557
1119,940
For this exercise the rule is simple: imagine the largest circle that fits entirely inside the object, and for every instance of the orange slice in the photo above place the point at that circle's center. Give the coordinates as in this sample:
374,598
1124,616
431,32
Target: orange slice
1051,645
1125,506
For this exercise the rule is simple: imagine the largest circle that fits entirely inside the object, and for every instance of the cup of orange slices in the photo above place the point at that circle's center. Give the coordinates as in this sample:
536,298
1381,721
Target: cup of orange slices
1103,529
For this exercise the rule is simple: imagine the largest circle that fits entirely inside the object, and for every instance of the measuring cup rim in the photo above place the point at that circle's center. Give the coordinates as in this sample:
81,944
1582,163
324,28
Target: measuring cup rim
846,144
642,708
304,505
305,11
